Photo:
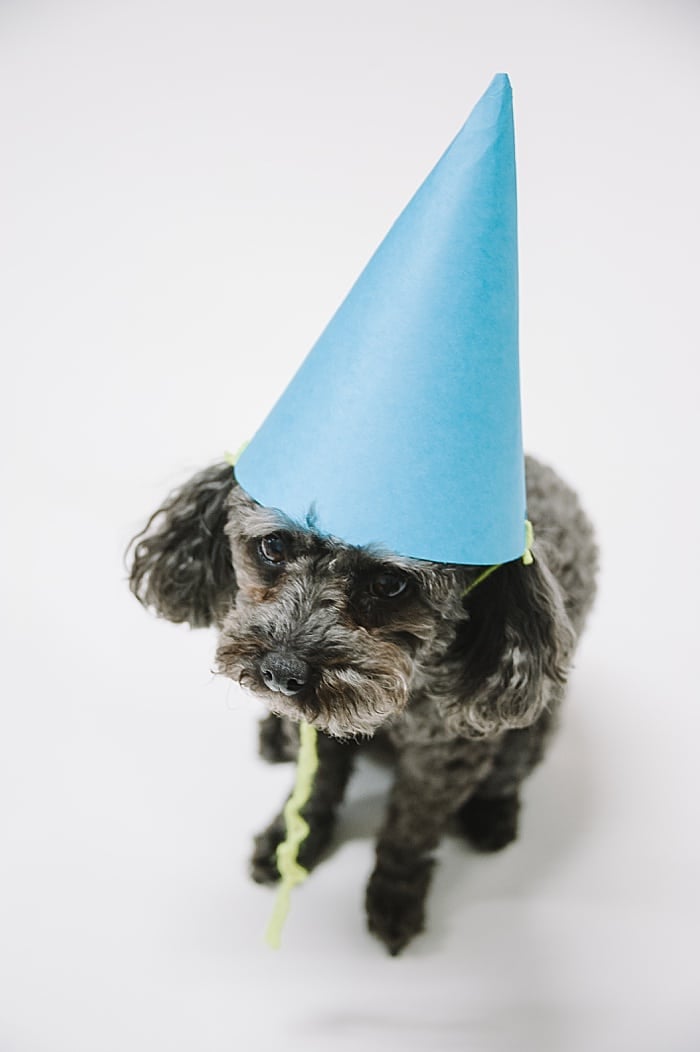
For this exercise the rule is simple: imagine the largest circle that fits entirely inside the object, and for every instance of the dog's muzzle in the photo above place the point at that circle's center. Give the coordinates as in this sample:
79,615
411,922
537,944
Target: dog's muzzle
284,673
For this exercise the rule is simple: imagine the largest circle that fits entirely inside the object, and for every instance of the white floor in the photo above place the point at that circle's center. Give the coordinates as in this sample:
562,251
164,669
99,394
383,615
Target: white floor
186,193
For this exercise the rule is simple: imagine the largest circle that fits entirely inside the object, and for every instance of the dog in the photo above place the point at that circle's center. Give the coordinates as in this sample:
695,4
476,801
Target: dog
460,674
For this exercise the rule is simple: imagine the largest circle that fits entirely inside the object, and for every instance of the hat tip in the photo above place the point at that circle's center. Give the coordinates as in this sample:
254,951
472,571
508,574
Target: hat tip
500,83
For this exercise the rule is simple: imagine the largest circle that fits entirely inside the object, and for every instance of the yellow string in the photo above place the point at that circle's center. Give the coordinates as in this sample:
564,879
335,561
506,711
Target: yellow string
528,560
482,577
233,458
528,557
297,831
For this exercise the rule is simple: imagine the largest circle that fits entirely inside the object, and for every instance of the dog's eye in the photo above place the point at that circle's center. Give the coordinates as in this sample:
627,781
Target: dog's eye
387,585
273,549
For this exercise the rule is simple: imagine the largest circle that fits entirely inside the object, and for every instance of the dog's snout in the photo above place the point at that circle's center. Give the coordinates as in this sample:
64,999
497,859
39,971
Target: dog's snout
284,673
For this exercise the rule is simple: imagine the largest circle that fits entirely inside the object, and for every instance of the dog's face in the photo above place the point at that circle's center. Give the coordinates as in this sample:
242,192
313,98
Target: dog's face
333,634
342,636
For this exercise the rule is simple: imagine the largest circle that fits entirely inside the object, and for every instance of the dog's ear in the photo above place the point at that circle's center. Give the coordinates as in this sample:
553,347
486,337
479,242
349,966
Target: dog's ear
181,561
513,650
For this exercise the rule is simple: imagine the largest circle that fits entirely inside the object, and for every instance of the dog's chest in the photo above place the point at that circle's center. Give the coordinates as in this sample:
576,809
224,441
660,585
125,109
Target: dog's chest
419,723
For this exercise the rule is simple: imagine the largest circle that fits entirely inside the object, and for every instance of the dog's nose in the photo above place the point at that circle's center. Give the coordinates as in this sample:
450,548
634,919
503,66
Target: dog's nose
284,673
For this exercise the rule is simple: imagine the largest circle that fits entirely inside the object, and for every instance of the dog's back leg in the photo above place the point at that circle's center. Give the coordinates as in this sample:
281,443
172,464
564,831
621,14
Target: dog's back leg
489,818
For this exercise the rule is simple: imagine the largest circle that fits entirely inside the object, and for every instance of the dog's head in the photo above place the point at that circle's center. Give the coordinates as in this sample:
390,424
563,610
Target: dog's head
328,632
344,636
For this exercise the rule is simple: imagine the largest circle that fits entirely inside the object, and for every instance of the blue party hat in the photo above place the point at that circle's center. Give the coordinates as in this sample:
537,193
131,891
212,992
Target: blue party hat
402,426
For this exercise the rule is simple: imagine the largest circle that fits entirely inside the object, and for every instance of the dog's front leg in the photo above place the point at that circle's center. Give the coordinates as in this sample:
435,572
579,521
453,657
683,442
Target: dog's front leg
431,783
335,763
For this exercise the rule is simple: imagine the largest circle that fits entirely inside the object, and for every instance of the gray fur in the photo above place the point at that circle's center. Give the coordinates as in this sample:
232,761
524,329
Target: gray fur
464,689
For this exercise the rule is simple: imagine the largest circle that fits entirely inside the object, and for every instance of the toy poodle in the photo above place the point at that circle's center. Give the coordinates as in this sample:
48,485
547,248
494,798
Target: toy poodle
459,674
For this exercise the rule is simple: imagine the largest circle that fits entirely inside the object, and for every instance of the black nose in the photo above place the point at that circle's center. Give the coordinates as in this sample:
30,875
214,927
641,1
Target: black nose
284,673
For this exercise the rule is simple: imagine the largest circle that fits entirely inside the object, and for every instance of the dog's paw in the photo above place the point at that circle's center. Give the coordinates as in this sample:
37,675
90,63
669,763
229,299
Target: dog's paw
263,861
395,903
490,825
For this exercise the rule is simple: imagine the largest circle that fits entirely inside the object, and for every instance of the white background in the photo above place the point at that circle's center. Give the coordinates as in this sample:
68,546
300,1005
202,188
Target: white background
187,192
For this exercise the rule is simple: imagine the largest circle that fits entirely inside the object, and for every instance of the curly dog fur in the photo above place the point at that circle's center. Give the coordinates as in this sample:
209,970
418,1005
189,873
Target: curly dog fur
463,685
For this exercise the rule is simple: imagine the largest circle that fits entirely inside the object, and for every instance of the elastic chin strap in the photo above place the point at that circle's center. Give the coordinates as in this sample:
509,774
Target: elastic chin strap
527,557
297,827
232,458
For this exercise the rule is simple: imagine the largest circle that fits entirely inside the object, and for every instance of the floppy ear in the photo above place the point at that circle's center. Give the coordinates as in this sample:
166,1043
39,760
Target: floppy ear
181,561
512,650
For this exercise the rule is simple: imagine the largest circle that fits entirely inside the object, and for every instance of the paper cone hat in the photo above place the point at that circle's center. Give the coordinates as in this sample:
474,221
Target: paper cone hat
402,426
